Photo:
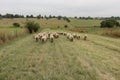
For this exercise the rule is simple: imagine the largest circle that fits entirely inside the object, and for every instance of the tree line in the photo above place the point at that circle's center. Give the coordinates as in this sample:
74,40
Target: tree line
58,17
11,16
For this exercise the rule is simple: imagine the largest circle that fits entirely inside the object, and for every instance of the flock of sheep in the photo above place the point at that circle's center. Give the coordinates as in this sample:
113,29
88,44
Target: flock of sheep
44,36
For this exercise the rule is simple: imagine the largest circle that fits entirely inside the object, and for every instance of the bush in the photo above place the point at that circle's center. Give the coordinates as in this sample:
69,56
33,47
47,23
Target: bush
109,23
16,24
66,26
32,26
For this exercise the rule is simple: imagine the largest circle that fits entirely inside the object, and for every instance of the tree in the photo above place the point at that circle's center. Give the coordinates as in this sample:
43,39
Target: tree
27,16
68,20
16,16
31,16
50,16
39,16
59,17
0,16
75,17
109,23
9,16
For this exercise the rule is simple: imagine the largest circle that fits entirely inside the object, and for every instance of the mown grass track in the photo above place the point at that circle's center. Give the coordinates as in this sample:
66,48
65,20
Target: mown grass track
97,58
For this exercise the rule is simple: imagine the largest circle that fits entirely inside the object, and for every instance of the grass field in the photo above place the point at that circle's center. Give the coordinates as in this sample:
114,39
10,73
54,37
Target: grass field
51,23
97,58
23,58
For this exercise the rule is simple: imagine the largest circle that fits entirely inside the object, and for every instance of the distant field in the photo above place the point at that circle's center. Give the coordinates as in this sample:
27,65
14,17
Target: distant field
84,23
51,23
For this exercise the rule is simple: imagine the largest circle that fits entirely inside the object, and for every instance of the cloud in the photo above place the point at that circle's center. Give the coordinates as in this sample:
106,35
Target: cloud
62,7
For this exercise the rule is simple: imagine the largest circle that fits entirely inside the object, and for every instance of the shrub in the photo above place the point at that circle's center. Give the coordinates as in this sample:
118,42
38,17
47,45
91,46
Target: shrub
32,26
66,26
36,27
68,20
109,23
16,24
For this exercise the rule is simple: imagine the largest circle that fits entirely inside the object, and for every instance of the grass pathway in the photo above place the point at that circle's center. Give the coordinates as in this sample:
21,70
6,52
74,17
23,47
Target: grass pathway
95,59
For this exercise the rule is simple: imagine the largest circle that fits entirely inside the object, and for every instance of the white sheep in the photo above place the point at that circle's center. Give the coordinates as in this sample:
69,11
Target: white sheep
44,39
70,37
78,36
51,38
40,35
36,38
68,34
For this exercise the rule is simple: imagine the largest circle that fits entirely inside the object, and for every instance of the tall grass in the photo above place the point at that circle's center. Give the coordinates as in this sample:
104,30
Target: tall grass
113,32
8,34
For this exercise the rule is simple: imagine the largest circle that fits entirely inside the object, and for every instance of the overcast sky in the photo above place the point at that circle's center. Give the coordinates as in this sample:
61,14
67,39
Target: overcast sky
94,8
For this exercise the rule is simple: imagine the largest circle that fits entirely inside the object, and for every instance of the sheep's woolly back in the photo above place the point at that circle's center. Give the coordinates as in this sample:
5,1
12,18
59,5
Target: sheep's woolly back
51,38
70,37
44,36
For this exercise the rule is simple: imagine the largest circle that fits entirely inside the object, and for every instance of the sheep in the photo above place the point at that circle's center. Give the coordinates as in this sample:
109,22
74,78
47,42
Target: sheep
85,37
40,35
44,39
74,35
70,37
68,34
36,38
64,33
56,35
78,36
51,38
49,34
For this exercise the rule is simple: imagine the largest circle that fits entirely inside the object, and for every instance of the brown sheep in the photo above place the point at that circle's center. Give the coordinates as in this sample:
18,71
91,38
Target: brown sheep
85,37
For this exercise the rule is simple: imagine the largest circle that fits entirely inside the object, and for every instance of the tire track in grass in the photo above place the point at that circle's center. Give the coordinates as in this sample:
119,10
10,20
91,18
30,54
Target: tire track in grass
106,55
106,39
78,68
23,54
109,46
10,50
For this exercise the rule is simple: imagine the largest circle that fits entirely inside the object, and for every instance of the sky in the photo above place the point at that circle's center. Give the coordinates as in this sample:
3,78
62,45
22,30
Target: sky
71,8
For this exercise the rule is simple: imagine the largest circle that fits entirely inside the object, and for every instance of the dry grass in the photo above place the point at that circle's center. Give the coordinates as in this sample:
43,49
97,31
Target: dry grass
113,32
51,23
8,34
81,30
